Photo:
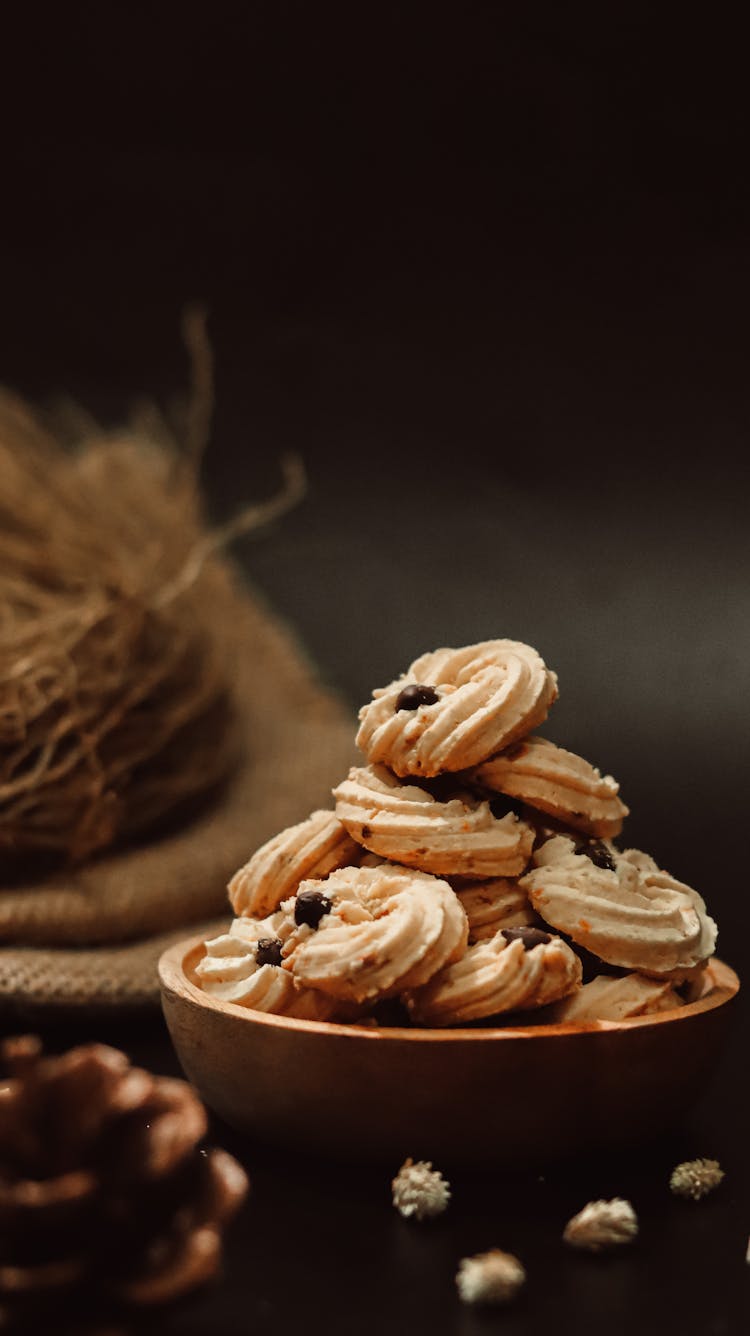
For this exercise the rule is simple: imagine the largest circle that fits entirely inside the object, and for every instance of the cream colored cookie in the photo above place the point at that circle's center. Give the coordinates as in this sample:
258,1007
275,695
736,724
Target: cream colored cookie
453,708
618,999
516,970
313,848
555,781
620,906
498,902
243,966
365,933
406,824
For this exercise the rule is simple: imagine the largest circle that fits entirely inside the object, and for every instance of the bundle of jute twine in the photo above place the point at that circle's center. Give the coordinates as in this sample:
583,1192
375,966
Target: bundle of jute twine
156,720
114,708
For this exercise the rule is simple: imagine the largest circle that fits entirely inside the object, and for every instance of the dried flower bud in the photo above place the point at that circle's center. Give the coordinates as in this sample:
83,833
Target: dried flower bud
602,1224
694,1178
419,1190
492,1277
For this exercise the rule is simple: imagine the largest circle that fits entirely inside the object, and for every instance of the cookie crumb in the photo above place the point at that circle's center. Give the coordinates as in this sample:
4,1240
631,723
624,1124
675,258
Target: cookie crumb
419,1191
602,1224
694,1178
492,1277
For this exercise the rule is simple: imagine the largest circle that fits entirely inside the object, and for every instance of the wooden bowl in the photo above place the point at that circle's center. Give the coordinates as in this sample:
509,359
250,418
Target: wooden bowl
507,1095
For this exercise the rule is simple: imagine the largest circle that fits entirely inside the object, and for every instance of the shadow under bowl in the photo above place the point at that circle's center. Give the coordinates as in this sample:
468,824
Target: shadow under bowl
505,1095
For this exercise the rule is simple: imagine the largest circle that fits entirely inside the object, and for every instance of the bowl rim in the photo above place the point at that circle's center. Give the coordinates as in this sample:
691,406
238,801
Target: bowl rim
723,987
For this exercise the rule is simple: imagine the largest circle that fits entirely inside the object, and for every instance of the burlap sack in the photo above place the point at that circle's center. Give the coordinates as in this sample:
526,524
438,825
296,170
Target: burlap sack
58,981
91,937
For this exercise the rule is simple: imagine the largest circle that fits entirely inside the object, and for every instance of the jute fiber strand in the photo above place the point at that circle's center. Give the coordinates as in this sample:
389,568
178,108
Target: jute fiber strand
157,721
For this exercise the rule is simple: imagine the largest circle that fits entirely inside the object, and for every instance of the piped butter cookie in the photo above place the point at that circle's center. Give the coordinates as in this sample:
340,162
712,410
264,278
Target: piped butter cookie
313,848
366,933
557,782
516,970
498,902
407,824
453,708
608,999
244,966
620,906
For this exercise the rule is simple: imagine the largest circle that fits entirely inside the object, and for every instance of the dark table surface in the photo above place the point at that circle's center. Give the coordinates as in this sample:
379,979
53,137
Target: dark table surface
319,1246
490,277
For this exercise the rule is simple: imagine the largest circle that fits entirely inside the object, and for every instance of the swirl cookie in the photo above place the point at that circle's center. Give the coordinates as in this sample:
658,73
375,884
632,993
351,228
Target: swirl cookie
244,966
607,999
405,823
368,932
620,906
557,782
454,708
313,848
516,970
496,903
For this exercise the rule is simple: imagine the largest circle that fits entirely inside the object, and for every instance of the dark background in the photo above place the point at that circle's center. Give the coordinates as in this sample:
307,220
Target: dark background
488,270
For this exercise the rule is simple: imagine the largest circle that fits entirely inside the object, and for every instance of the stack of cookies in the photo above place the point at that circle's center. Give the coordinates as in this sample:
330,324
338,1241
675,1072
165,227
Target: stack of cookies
468,871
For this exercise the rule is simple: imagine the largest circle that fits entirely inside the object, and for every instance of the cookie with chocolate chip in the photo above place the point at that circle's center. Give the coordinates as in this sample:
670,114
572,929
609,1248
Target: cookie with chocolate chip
620,906
386,928
519,969
454,708
244,967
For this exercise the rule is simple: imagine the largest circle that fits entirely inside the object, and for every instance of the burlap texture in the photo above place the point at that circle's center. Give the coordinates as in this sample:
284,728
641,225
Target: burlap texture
65,935
103,979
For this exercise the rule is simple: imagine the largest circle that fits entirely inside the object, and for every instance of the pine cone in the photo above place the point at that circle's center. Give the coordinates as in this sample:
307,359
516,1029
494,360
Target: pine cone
103,1190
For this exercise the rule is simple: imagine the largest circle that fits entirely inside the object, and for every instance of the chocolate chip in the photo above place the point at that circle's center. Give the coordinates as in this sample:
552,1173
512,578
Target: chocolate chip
391,1011
599,854
503,804
415,695
268,951
310,907
440,787
530,937
515,752
592,966
366,832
